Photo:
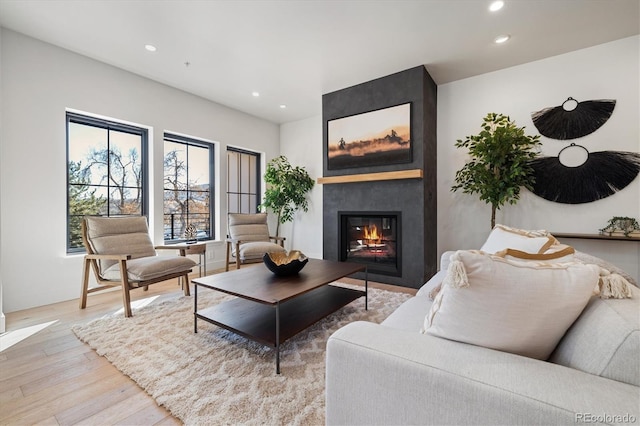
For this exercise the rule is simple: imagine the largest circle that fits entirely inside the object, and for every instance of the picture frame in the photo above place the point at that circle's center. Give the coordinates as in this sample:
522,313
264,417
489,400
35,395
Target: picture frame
372,138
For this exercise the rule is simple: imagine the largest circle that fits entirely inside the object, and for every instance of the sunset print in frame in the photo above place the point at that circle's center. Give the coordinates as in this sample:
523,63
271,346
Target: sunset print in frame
372,138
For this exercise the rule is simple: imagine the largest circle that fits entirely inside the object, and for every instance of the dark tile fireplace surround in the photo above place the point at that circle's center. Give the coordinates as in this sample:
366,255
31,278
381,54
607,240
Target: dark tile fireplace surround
403,211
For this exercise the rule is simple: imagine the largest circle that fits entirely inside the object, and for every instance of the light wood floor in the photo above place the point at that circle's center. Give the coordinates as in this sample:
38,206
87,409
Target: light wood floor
52,378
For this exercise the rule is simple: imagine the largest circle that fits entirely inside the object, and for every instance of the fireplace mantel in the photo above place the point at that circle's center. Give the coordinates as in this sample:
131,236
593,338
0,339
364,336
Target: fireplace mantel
370,177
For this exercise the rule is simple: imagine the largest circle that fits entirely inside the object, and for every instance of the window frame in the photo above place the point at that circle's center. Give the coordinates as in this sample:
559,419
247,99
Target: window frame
109,125
200,143
258,182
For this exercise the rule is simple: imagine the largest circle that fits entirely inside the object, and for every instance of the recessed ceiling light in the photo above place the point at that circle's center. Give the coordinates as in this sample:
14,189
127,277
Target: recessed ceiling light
150,47
282,106
501,38
255,94
496,5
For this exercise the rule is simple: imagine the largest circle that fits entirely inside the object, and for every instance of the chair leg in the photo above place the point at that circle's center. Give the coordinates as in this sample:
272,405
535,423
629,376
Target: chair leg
185,284
85,283
226,265
126,296
238,255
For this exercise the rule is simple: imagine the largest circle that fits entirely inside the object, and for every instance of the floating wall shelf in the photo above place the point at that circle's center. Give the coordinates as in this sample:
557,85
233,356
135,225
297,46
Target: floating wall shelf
370,177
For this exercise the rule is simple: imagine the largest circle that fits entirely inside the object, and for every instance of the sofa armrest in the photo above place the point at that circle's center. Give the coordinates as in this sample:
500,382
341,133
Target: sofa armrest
436,280
445,259
380,375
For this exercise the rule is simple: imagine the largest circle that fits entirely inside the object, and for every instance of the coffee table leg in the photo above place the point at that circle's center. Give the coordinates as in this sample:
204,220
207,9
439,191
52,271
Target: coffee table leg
366,288
277,337
195,308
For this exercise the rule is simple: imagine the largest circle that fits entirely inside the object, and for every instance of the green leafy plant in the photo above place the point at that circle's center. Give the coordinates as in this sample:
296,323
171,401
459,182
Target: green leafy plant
623,224
499,165
287,187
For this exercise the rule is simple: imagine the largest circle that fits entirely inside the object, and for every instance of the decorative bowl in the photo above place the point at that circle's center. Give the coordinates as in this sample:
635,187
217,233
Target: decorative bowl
283,264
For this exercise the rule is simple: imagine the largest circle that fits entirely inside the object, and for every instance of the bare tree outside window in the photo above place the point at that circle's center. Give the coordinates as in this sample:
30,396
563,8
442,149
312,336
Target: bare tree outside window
105,168
188,169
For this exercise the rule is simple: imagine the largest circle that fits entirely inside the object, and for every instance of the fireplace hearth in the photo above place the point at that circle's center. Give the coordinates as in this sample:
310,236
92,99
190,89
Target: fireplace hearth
371,238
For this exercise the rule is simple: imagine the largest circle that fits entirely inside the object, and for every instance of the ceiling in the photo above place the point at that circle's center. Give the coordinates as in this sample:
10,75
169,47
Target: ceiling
292,52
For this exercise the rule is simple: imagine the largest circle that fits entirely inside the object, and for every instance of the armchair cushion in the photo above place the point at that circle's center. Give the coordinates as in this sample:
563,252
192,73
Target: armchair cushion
255,250
149,268
248,227
126,235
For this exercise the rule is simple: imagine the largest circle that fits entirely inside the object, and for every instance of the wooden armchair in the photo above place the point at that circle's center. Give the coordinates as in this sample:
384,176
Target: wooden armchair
121,254
249,239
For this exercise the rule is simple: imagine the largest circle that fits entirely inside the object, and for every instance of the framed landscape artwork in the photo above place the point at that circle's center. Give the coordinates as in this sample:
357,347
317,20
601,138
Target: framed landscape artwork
370,139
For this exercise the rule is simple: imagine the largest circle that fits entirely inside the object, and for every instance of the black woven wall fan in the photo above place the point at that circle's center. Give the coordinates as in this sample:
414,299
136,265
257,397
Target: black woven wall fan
602,174
573,119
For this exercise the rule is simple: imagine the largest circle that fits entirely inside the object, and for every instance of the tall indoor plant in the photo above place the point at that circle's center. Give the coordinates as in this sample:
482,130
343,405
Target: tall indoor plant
286,191
499,164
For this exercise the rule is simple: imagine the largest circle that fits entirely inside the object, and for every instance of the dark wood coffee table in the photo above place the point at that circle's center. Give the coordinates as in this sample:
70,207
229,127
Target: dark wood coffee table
271,309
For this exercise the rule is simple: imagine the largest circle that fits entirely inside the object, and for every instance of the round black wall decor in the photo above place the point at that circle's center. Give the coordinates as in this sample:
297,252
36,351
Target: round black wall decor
573,119
601,174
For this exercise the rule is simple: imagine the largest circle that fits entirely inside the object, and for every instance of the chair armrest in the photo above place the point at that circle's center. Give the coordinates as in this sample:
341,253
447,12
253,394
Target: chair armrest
278,240
108,256
381,375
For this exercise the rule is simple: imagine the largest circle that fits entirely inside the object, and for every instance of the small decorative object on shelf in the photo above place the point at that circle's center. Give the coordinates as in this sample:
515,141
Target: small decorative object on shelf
283,264
190,234
621,225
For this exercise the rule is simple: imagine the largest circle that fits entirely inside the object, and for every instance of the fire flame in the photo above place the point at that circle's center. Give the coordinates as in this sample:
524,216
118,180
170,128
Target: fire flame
372,235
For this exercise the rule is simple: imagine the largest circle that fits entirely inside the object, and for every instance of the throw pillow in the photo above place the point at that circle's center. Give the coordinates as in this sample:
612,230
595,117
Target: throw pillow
557,253
503,237
588,258
513,306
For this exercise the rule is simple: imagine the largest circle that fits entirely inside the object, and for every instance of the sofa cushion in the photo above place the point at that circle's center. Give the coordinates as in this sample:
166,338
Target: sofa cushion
519,307
431,288
503,237
588,258
605,340
410,315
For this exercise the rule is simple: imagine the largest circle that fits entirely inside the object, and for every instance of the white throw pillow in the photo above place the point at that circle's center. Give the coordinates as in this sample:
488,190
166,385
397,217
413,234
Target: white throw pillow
512,306
502,238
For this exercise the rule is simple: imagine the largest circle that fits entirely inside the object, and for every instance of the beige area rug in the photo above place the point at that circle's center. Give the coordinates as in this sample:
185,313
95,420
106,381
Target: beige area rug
215,377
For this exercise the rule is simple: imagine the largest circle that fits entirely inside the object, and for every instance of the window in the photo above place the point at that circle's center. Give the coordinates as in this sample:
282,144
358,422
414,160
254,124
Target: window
188,187
243,181
106,172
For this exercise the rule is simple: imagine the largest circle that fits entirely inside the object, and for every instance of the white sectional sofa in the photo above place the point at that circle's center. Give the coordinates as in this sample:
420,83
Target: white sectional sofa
392,374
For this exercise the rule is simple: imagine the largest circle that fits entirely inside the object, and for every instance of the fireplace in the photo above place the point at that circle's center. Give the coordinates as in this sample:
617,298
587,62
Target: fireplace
371,238
374,192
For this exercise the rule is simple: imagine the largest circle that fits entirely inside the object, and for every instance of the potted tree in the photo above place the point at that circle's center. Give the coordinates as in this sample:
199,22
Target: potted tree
287,187
499,164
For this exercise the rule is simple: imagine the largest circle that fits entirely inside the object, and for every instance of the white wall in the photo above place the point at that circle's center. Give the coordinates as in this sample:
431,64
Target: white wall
608,71
301,143
39,81
2,317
